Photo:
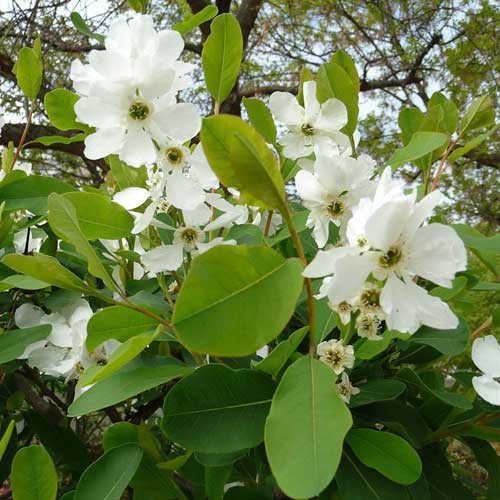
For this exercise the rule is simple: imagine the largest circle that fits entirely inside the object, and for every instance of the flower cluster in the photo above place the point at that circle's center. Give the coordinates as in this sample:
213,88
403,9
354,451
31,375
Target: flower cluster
382,246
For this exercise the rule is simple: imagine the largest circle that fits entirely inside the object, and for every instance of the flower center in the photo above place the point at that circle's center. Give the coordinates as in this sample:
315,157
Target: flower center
368,326
391,258
174,155
335,208
362,242
370,299
138,111
307,129
189,235
334,357
344,307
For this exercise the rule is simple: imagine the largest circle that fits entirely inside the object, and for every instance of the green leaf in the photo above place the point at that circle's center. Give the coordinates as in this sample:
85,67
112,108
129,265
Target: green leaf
63,220
343,59
469,146
306,75
450,111
47,269
82,27
377,390
409,120
334,81
31,193
261,118
355,481
368,349
60,107
149,481
241,159
218,409
421,144
273,363
203,16
33,475
237,284
24,282
243,493
449,398
48,140
221,56
480,114
215,480
125,175
305,429
124,353
99,217
451,342
138,5
139,376
4,442
219,459
246,234
108,476
29,72
387,453
119,323
13,343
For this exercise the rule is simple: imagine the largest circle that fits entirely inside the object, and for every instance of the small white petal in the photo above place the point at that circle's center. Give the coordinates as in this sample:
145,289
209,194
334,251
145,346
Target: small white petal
311,104
487,388
325,261
28,315
486,355
333,116
180,122
131,197
163,258
104,142
286,109
182,192
138,148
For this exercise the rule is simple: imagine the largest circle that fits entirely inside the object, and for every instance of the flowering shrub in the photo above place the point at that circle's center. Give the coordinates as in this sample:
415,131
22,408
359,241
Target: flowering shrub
237,313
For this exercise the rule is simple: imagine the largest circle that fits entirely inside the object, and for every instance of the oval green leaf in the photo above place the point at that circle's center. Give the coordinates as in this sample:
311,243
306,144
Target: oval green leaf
241,159
387,453
108,476
221,56
29,72
13,343
421,144
305,429
218,409
33,475
238,286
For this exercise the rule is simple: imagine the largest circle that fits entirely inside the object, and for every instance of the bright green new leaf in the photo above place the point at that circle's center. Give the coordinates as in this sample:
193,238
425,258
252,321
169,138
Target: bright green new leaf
387,453
241,159
345,61
305,429
236,299
46,269
409,121
450,342
450,111
334,81
4,442
63,220
124,353
33,475
29,72
138,376
469,146
260,117
421,144
218,409
480,114
24,282
273,363
377,390
13,343
221,56
48,140
203,16
119,323
31,193
108,476
138,5
99,217
82,27
125,175
306,75
60,107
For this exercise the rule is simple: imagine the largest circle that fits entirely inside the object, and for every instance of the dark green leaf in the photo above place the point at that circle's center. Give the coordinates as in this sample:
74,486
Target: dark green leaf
451,342
377,390
13,343
82,27
260,117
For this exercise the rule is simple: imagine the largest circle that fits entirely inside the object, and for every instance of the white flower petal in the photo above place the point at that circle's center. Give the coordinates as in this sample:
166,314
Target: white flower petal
309,187
325,261
333,116
28,315
487,388
138,148
163,258
182,192
286,109
486,355
131,197
104,142
180,122
311,104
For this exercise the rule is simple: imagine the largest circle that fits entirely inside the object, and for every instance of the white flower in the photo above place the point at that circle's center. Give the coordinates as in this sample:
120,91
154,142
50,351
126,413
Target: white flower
368,326
346,389
336,355
314,125
397,250
331,192
486,356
